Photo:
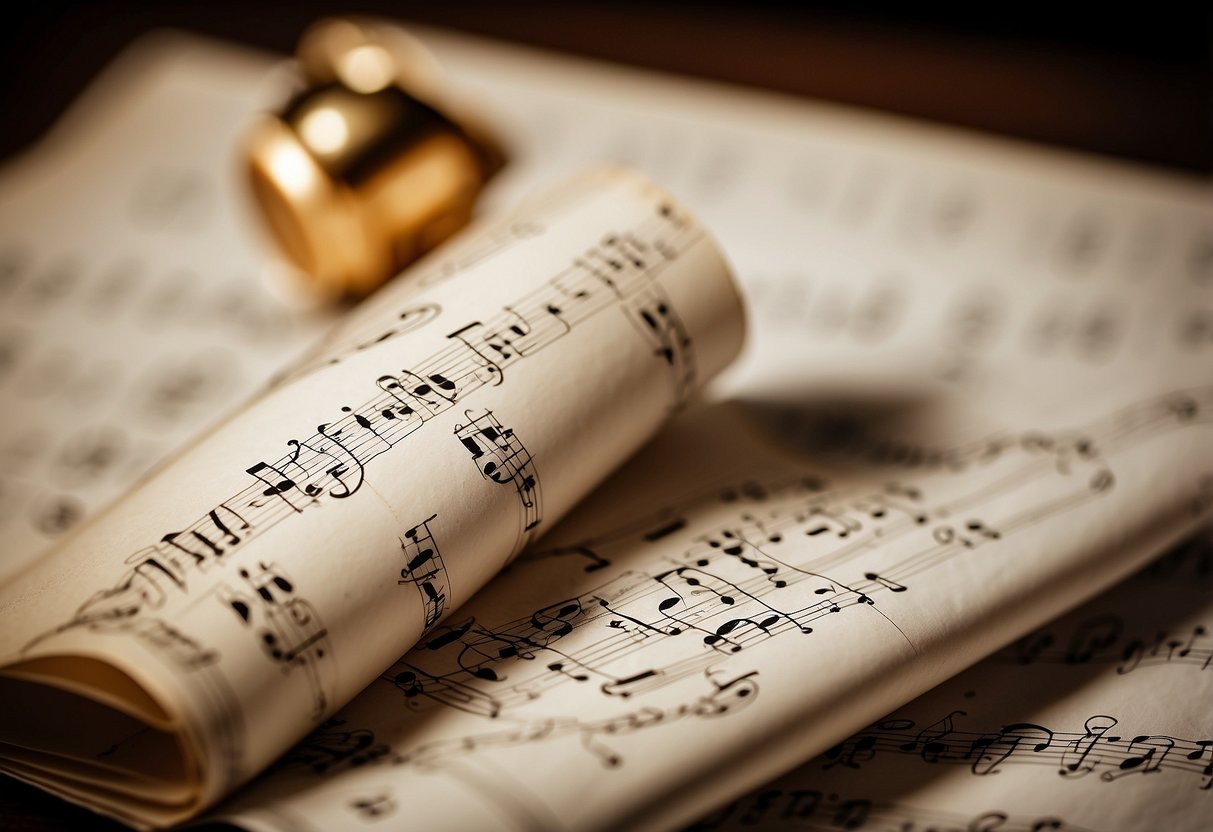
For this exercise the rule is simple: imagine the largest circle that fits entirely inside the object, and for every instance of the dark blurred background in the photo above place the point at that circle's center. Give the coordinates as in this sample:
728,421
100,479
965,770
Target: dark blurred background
1130,80
1135,83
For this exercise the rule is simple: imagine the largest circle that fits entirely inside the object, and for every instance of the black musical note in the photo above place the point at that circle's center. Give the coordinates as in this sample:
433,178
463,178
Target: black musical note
990,752
208,539
503,459
415,683
1091,637
277,485
656,319
1079,760
594,561
399,408
341,449
373,808
726,696
557,620
929,741
1070,754
1201,748
287,627
1141,761
425,570
369,337
887,583
813,809
330,749
1101,639
666,529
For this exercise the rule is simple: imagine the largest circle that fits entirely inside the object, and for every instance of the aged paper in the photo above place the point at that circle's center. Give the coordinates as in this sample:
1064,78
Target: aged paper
976,393
134,309
248,589
640,663
1096,721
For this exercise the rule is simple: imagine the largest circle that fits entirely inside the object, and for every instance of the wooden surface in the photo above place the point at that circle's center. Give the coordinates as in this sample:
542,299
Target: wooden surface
1134,86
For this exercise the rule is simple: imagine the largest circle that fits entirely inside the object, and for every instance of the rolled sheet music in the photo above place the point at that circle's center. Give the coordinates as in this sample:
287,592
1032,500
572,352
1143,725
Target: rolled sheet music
170,650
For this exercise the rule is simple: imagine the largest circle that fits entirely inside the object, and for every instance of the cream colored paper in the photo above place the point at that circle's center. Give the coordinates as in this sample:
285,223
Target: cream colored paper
246,591
134,313
976,394
641,664
1007,343
1096,721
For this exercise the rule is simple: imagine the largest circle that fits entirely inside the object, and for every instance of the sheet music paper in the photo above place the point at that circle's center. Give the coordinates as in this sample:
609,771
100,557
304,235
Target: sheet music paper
634,670
239,596
1069,728
133,314
975,393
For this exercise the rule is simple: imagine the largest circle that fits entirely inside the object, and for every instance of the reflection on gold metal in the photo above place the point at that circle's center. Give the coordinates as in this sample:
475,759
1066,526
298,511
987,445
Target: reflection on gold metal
368,167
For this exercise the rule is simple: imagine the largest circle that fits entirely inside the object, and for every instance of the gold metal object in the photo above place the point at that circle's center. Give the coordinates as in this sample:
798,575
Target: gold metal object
368,167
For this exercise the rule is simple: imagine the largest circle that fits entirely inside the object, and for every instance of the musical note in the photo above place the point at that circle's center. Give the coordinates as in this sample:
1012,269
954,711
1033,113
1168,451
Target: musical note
929,741
1201,747
367,337
333,747
1147,762
594,561
656,319
373,808
557,620
666,529
425,570
503,459
726,696
287,627
1091,637
1071,754
332,464
791,808
1102,639
830,520
415,683
888,584
1007,741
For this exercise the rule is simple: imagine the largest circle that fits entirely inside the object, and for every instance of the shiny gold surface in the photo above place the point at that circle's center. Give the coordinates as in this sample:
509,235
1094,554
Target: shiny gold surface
368,167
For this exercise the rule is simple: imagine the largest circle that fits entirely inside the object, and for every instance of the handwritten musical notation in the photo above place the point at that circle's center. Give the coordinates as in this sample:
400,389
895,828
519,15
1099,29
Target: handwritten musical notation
1038,768
214,608
1095,751
794,558
425,570
832,580
334,746
332,464
382,319
288,628
657,321
502,459
1103,639
726,695
1134,629
818,810
699,588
